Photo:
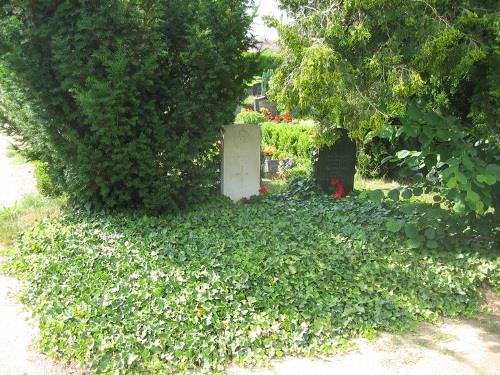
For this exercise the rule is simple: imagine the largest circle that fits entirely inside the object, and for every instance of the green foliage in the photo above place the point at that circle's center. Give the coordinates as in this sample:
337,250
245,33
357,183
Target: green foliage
241,283
266,78
19,118
431,226
249,117
248,102
299,172
294,141
14,220
369,159
262,61
124,100
469,171
44,183
427,69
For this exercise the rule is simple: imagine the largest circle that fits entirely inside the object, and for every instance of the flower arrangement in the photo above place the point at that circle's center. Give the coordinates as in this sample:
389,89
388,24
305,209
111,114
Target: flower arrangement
269,151
285,117
339,188
265,111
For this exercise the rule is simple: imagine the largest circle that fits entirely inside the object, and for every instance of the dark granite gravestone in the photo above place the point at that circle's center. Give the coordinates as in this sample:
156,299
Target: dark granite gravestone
255,89
263,102
337,162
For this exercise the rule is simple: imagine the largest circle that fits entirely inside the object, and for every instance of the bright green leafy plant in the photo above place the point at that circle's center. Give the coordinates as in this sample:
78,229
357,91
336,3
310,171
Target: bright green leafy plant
280,275
249,117
44,183
294,141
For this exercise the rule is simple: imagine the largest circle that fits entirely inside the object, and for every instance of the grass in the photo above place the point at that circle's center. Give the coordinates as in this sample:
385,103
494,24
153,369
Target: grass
20,217
274,185
243,283
361,183
13,154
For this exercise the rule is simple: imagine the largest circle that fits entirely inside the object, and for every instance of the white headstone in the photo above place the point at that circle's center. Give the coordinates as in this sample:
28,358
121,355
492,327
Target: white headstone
241,161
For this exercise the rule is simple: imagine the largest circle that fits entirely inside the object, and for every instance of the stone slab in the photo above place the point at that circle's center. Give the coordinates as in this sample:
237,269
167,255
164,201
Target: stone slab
263,102
241,161
337,162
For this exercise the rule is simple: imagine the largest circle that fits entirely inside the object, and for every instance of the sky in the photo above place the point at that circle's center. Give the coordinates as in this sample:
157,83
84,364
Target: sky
266,8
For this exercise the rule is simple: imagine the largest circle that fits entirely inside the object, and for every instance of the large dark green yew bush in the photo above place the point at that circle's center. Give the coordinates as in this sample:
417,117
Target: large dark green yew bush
123,99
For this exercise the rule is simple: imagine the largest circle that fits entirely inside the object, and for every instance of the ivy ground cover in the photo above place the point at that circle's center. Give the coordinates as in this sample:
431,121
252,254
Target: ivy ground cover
239,283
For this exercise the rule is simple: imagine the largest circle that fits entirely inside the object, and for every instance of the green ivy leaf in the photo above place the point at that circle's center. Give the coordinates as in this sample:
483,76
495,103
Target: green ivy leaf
486,179
393,194
376,195
411,230
393,226
414,243
472,196
430,233
431,244
418,191
494,169
451,183
406,194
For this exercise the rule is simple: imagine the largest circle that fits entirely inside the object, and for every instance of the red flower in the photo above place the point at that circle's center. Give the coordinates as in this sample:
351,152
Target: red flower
340,191
335,182
263,190
339,188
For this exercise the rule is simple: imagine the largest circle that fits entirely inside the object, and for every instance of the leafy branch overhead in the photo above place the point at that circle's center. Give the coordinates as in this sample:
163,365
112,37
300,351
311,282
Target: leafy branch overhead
429,70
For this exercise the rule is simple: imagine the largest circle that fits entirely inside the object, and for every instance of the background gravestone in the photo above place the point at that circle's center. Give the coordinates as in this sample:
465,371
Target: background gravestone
338,161
241,161
262,102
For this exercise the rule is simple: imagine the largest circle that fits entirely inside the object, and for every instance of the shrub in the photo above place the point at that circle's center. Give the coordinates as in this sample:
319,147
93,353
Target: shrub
266,78
261,61
370,157
299,172
128,97
295,141
249,117
44,182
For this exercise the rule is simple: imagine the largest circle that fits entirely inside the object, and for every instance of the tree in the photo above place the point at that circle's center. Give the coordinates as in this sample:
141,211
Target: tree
123,99
421,70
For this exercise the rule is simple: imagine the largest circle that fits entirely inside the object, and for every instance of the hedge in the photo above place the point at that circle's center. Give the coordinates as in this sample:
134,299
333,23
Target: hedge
295,141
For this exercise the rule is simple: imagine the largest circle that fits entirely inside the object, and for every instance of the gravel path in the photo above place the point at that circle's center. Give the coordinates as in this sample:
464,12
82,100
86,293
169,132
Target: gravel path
17,331
16,180
456,347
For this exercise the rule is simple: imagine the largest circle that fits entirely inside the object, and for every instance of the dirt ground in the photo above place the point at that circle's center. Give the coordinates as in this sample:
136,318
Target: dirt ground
17,331
455,347
16,179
